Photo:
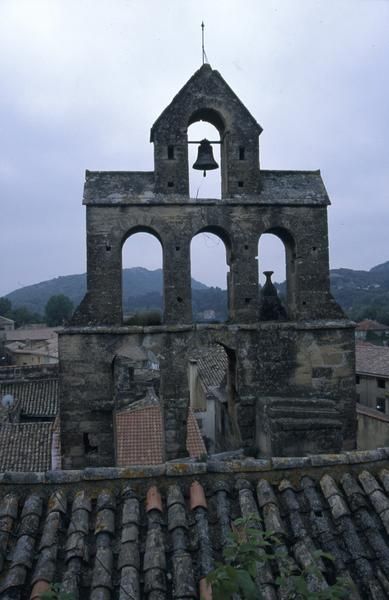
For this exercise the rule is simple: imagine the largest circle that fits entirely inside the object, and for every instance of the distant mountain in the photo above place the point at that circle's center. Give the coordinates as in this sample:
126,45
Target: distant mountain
362,294
136,282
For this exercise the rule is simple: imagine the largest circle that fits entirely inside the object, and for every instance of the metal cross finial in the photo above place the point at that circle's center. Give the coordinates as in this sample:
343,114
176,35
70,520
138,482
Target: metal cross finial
204,56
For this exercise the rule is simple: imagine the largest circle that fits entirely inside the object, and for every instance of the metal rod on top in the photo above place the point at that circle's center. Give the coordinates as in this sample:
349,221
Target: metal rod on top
202,41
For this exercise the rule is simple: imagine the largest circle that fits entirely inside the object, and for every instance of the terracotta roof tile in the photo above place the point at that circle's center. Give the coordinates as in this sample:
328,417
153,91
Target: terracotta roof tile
194,441
139,435
35,334
25,446
371,359
151,538
212,366
370,325
35,398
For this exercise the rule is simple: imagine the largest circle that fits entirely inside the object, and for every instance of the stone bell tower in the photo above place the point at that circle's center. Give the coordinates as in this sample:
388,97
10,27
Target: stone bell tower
291,379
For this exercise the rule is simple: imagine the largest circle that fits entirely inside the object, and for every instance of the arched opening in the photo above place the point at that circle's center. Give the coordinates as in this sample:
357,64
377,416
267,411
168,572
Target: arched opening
209,257
209,186
212,393
276,275
142,279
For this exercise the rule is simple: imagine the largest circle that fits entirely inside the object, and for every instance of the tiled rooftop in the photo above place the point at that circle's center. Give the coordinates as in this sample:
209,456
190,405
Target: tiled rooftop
155,533
6,321
194,441
25,446
370,325
35,398
46,348
371,359
139,435
33,333
212,366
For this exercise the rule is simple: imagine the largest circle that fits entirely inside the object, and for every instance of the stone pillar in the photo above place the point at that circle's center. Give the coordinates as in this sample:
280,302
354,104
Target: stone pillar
312,291
243,281
104,280
177,281
174,394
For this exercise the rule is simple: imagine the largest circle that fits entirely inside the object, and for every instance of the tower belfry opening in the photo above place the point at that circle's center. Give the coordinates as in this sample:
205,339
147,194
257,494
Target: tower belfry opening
204,183
293,382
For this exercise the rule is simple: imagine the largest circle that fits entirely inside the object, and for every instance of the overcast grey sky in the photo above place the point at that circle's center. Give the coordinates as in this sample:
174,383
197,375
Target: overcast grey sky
82,81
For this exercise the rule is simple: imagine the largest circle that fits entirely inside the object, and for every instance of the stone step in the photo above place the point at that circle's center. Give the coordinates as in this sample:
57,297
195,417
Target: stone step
287,424
303,413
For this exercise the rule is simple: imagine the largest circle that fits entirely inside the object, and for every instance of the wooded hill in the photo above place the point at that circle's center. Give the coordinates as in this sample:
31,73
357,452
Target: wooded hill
362,294
136,282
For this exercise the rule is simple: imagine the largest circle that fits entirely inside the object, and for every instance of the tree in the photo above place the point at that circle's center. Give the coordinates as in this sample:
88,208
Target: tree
22,316
5,307
58,310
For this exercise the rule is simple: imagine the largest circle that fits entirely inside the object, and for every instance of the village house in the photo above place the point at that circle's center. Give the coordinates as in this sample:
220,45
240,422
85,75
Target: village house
372,376
369,330
32,345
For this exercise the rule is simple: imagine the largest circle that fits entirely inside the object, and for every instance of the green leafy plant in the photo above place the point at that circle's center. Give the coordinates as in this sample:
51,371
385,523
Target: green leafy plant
55,593
249,550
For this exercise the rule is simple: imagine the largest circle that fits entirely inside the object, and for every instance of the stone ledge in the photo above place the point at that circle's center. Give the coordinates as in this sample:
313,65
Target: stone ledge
184,469
278,188
219,327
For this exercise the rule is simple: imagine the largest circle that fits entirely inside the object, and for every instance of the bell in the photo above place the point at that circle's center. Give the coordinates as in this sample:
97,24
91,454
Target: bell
205,161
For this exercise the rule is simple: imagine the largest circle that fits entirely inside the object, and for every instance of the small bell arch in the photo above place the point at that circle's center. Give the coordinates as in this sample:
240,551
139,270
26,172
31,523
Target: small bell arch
205,160
204,155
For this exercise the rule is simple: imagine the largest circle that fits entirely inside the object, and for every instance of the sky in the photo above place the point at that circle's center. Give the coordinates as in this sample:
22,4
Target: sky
82,82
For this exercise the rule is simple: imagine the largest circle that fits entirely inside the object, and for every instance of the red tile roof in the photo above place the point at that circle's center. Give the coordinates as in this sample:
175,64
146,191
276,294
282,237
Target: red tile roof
371,359
370,325
194,441
139,435
139,438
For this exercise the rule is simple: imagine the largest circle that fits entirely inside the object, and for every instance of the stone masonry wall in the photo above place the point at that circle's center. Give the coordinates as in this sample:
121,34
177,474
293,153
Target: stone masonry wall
276,368
288,360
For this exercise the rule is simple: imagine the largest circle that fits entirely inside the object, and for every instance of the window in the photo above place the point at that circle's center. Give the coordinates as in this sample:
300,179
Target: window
241,152
142,276
357,379
380,404
209,266
272,258
170,152
381,383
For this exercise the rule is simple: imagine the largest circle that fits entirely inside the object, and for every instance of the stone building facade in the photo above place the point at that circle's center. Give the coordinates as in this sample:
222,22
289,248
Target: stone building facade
291,383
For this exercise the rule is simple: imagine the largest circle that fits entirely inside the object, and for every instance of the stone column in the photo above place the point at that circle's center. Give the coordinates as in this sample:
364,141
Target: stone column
243,291
104,279
177,280
174,393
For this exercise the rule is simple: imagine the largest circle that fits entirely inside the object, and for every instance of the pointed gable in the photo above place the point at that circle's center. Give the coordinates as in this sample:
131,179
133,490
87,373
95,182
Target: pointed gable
206,88
207,97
